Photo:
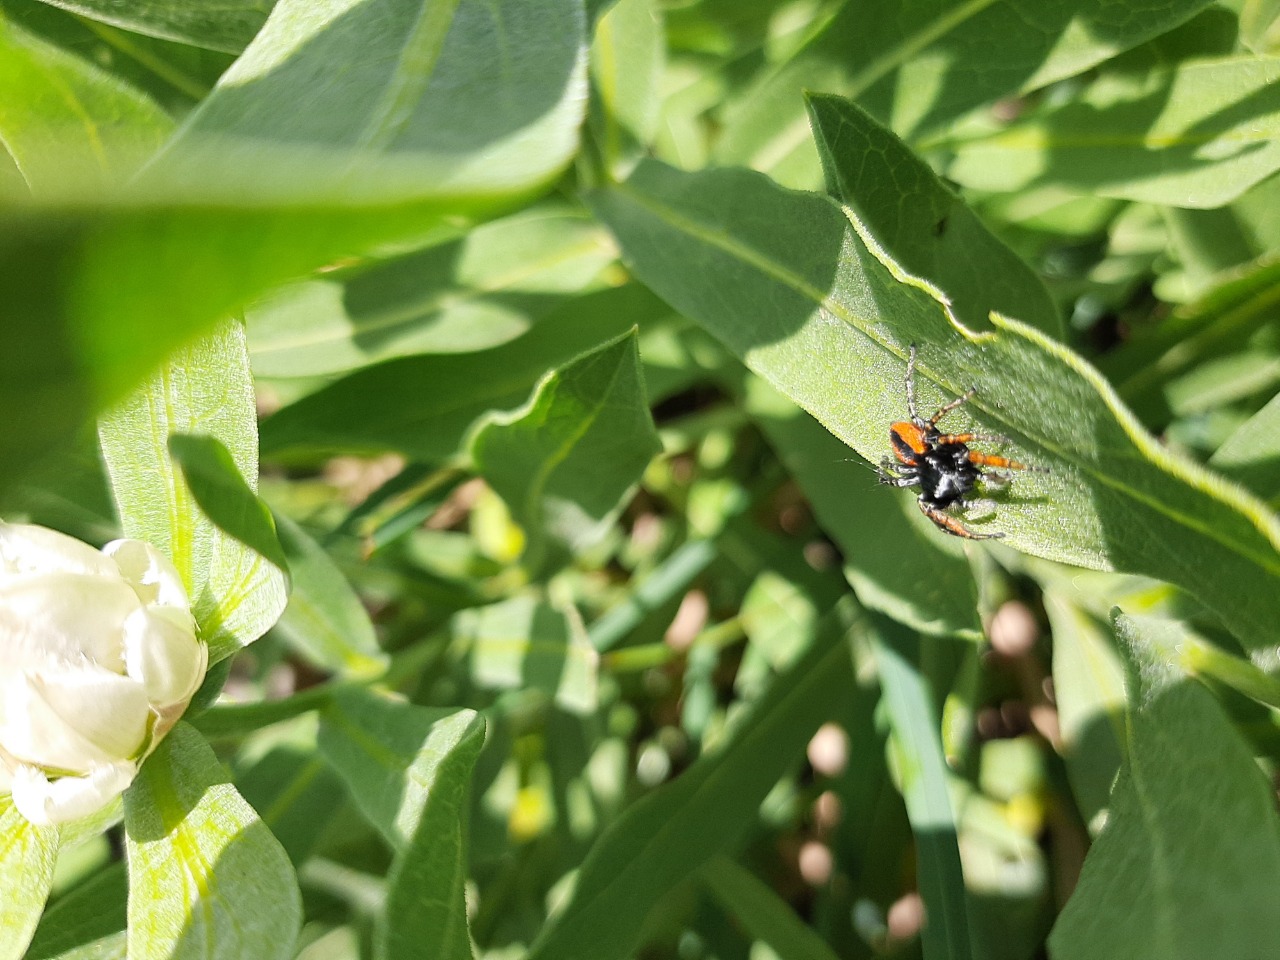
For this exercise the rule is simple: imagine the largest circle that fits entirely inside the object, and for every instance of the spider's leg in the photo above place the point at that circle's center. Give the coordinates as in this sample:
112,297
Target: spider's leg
948,407
970,438
896,475
1004,463
953,526
911,385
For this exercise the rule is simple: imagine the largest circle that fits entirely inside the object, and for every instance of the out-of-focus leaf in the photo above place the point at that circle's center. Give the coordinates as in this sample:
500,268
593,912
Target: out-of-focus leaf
892,554
302,156
522,644
1088,685
86,923
920,67
455,111
1241,302
922,769
671,832
805,296
236,593
324,619
63,119
1251,455
214,479
203,869
422,406
761,912
27,857
627,59
923,224
565,460
408,769
1198,135
1192,826
216,24
469,294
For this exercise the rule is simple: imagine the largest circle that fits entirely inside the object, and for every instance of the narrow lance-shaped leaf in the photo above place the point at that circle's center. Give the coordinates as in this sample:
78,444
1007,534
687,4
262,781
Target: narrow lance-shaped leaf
670,833
1189,861
1198,135
454,111
801,291
923,770
206,877
762,912
223,495
922,223
919,69
324,619
564,461
236,593
27,857
408,769
461,296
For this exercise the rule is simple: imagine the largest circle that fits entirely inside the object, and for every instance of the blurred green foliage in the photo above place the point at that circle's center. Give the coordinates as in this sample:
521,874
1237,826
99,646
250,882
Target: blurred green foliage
573,331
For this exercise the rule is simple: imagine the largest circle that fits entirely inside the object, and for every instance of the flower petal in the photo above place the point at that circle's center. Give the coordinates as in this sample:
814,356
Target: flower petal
151,574
72,719
26,548
63,618
43,801
161,652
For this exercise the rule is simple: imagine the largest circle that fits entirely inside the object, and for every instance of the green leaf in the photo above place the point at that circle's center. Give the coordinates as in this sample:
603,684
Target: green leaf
892,554
919,68
449,111
67,124
627,61
1192,826
324,619
88,921
522,643
236,593
669,833
1197,135
222,494
1229,313
764,915
422,406
408,769
923,224
1088,686
469,294
804,295
922,769
27,857
215,24
1251,455
302,156
564,461
206,877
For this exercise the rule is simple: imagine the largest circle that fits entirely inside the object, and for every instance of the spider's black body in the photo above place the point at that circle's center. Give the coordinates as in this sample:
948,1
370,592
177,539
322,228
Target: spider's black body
941,464
944,473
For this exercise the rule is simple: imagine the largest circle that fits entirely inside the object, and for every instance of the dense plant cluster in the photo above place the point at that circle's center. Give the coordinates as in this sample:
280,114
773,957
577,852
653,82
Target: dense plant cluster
500,385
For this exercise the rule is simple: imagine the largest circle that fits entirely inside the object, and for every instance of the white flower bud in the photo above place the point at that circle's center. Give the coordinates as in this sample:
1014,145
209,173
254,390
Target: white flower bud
98,660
